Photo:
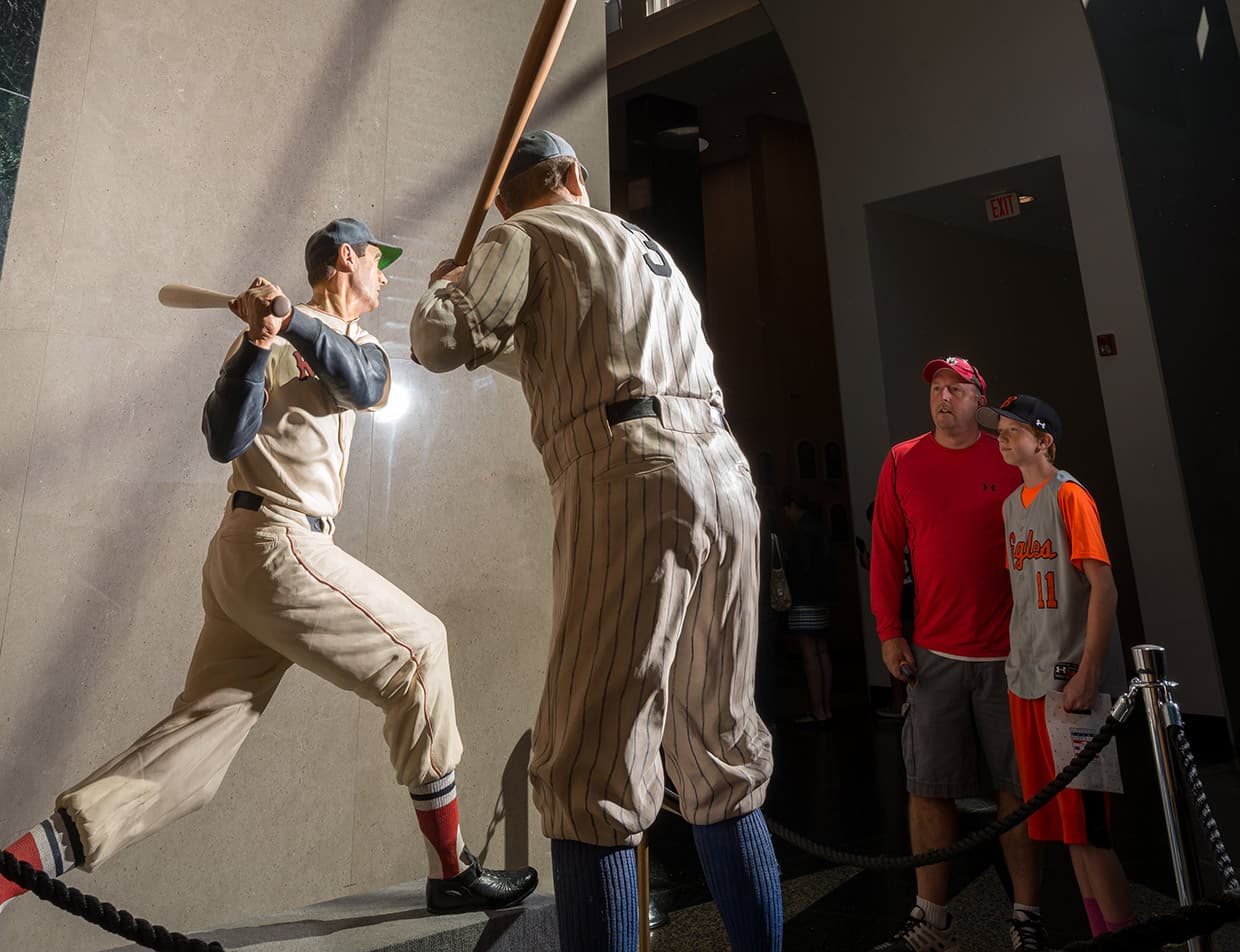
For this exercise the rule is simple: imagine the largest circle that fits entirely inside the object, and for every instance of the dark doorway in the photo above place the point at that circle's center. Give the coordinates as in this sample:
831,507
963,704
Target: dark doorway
711,152
1007,294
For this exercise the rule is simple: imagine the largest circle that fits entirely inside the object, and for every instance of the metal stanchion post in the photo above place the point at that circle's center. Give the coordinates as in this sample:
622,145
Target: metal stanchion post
643,895
1161,712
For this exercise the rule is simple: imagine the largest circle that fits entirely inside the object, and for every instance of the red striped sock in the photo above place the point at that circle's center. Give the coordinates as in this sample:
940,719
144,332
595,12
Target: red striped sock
47,847
440,822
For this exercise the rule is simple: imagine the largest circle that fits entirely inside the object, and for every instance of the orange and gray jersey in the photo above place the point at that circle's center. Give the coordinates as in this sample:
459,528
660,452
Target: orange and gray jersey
597,311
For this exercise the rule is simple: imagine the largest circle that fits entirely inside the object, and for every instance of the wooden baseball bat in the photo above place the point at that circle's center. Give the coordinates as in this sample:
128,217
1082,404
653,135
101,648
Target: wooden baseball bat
185,295
539,54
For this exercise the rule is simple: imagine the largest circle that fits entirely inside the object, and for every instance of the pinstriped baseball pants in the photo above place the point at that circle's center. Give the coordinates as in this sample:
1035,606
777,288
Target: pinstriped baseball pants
275,594
654,630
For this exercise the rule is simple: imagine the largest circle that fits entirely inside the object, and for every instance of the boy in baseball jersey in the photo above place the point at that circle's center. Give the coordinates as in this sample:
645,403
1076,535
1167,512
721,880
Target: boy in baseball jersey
1063,638
655,552
277,591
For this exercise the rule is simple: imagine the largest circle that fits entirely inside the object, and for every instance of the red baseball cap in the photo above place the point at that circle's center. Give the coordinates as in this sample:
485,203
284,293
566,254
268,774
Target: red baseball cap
957,365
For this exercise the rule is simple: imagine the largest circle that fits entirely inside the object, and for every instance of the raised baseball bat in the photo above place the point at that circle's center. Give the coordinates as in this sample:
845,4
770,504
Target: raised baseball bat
185,295
539,54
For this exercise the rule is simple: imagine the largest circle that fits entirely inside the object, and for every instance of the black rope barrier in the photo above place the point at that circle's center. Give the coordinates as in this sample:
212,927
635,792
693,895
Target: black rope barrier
102,914
1201,807
1187,922
991,831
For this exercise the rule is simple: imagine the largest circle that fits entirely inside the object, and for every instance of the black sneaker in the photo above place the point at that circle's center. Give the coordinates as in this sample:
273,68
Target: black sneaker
480,888
1027,932
917,935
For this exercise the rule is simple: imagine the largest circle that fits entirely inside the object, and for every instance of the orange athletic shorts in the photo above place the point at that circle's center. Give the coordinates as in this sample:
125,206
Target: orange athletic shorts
1074,816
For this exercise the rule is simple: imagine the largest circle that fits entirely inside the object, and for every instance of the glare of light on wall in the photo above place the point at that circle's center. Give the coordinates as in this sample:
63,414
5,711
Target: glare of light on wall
1025,199
399,402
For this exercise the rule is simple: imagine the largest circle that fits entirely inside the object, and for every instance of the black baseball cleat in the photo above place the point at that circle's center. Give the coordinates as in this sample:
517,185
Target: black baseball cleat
480,888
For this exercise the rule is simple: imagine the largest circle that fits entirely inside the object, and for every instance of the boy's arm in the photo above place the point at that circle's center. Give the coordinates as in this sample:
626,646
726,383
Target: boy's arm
1080,691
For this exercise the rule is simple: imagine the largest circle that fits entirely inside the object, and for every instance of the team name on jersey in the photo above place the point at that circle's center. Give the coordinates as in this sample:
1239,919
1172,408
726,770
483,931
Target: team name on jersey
1029,548
304,370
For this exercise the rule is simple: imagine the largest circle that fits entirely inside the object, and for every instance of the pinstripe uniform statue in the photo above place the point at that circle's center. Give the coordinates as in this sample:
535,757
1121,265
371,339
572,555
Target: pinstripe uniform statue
655,554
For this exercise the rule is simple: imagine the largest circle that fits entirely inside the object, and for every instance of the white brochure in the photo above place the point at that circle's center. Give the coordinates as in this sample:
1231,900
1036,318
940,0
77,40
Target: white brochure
1069,733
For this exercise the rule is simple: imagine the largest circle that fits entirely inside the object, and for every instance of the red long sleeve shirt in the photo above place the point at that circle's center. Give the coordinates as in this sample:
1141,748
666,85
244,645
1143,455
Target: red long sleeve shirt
947,507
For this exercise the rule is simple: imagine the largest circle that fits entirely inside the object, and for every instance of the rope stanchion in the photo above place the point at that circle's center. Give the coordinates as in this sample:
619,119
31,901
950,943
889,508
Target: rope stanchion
102,914
1119,714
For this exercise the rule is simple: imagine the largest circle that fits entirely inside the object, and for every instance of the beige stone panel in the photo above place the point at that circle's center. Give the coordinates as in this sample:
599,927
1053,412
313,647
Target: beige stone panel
119,425
105,613
460,519
277,832
32,255
438,145
24,361
214,138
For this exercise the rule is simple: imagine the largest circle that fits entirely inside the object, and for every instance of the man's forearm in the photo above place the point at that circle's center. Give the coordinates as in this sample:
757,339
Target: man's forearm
233,412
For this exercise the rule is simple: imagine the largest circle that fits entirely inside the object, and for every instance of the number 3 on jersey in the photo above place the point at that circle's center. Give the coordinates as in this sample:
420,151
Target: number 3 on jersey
655,257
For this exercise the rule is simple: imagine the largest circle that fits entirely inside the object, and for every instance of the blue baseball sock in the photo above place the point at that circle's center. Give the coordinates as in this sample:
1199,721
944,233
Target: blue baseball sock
595,896
743,875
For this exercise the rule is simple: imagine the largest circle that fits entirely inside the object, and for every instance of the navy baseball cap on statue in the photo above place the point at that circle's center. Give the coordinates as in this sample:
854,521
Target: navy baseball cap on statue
1024,409
538,146
958,365
323,244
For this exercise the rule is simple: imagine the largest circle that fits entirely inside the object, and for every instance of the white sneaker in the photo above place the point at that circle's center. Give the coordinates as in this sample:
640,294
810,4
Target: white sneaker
917,935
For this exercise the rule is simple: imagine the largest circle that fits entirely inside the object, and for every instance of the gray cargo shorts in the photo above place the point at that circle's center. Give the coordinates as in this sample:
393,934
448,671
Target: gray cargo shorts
958,730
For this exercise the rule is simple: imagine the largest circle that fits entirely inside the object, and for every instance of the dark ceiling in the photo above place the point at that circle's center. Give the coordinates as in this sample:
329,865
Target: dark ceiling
753,78
737,70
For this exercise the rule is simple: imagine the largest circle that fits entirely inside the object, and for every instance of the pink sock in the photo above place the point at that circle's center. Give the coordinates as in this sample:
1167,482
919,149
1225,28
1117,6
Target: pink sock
1097,924
1117,926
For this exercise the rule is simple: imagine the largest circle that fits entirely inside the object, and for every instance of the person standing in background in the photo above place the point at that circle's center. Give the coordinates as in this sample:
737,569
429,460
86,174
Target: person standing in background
811,579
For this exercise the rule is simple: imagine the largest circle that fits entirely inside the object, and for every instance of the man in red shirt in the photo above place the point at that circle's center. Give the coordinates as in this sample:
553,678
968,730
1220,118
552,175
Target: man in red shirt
941,494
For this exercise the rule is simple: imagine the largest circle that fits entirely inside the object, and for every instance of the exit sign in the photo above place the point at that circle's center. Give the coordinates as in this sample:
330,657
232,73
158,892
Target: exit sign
999,207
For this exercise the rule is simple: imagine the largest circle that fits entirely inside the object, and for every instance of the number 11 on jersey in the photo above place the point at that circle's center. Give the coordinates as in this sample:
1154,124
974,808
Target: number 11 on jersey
1049,600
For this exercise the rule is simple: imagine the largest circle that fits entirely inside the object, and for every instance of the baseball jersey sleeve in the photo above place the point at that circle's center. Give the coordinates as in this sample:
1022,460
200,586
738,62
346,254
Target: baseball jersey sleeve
471,322
890,535
355,373
1084,525
233,412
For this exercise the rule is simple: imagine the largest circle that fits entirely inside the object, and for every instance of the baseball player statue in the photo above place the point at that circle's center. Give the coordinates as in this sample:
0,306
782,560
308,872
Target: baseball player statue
655,554
277,591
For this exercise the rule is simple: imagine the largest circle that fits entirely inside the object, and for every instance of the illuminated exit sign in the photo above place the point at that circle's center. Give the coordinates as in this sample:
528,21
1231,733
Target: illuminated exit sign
999,207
